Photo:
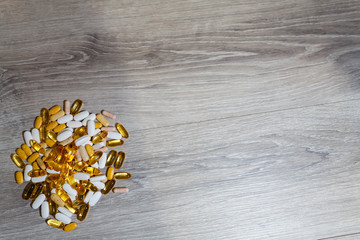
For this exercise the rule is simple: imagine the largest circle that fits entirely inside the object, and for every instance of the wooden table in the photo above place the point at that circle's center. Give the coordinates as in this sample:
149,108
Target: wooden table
243,115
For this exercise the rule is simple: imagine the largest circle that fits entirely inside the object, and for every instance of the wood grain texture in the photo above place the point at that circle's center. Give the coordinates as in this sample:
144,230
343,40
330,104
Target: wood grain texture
243,115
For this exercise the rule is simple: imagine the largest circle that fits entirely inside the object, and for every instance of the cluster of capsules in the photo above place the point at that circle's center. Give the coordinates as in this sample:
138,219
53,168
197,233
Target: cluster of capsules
64,153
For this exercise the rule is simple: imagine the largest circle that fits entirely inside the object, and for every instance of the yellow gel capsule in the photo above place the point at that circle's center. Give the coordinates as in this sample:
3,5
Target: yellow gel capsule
51,135
79,166
64,196
54,109
111,157
60,127
51,125
120,128
21,154
44,114
43,145
110,173
93,187
43,133
57,115
114,142
35,166
29,188
26,149
119,160
89,150
81,189
17,160
83,212
95,157
72,181
92,171
37,191
102,119
79,132
71,209
99,137
108,186
122,175
52,207
50,142
38,122
55,223
33,157
70,227
76,106
47,189
19,177
37,146
37,173
98,125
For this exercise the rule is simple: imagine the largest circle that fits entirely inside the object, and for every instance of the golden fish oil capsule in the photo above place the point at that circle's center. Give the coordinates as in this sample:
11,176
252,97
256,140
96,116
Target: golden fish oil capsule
17,160
83,212
43,133
76,106
114,142
29,188
51,125
79,132
122,175
99,137
71,208
102,119
51,135
110,173
33,157
26,149
57,115
71,180
81,189
92,171
79,166
120,128
43,145
89,150
37,173
70,227
21,154
41,163
64,196
54,109
35,166
55,223
37,146
19,177
52,207
60,127
44,114
108,186
95,158
37,190
38,122
111,157
46,189
50,142
93,187
98,125
119,160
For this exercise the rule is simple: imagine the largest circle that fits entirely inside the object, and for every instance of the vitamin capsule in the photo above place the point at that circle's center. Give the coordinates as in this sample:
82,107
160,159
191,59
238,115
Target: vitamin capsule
114,135
66,141
102,119
122,175
46,189
108,114
91,127
82,140
43,133
19,177
99,145
44,209
97,125
52,207
37,190
103,149
71,209
27,169
102,160
69,189
52,136
70,227
64,135
57,200
81,116
108,186
97,178
26,149
63,218
54,109
51,126
97,130
60,127
92,171
83,211
81,176
50,142
120,190
38,179
89,150
110,173
17,161
79,166
108,129
76,107
88,196
27,137
122,130
37,122
73,124
90,117
35,134
114,143
37,173
67,107
119,160
38,201
44,114
95,198
111,157
43,145
95,158
99,137
65,211
29,188
35,166
55,223
34,144
33,157
57,115
65,119
99,185
21,154
83,153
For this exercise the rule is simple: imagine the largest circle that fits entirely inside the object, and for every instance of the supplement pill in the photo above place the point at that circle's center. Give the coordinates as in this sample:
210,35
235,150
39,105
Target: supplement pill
67,107
63,218
81,116
70,227
65,119
102,119
64,135
55,223
19,177
38,201
94,199
27,137
44,209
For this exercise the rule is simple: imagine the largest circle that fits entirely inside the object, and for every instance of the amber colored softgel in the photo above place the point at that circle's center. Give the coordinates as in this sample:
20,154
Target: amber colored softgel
62,160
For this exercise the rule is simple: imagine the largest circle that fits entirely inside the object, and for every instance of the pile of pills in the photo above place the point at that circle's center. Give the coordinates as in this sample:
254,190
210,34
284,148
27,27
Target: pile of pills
64,154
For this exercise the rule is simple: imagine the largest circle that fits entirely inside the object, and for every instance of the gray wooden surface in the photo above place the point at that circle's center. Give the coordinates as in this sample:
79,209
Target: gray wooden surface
243,115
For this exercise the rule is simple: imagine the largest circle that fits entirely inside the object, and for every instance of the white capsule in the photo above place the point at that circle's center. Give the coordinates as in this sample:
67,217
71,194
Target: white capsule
72,197
95,198
89,142
27,169
35,134
65,211
97,178
64,135
67,188
63,218
114,135
81,115
81,176
99,185
38,201
53,190
65,119
95,165
92,117
44,209
99,145
82,140
52,171
102,160
69,129
73,124
97,131
38,179
91,127
88,196
27,137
